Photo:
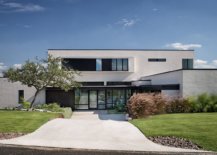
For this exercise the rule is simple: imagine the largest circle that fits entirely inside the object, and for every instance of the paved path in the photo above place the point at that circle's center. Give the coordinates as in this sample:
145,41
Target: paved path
91,130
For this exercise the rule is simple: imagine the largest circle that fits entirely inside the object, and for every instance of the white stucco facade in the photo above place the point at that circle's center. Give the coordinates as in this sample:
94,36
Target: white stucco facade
166,76
192,82
138,62
9,93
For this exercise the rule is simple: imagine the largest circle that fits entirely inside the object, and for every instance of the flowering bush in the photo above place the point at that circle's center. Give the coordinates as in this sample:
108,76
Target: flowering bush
145,104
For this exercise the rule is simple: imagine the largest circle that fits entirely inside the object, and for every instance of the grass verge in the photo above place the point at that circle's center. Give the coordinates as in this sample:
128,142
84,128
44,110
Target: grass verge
23,121
200,128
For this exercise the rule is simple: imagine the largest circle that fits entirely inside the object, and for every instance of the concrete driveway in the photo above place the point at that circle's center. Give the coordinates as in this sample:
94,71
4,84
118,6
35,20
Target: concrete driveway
91,130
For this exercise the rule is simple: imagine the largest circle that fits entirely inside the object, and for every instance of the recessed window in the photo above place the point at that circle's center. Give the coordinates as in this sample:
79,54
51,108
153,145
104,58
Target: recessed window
187,64
20,96
119,64
114,64
157,59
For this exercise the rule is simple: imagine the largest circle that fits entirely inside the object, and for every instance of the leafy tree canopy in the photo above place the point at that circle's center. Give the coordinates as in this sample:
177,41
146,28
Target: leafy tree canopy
44,73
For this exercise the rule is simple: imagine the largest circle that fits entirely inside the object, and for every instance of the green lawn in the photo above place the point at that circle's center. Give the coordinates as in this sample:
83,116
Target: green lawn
22,121
200,128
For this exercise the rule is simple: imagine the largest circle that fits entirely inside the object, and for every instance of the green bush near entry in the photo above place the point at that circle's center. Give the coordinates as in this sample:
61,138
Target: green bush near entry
204,103
120,107
67,112
53,107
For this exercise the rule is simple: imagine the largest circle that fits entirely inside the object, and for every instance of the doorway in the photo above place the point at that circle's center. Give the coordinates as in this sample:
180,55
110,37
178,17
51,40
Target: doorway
92,99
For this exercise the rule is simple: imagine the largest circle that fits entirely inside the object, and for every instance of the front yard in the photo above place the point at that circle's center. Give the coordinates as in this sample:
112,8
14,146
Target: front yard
23,121
200,128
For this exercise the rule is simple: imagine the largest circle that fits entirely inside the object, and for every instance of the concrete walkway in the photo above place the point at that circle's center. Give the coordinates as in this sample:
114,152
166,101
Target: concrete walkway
91,130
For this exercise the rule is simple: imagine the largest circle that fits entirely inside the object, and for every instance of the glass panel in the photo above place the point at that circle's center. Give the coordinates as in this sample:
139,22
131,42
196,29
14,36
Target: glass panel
93,99
109,96
81,96
190,64
101,99
119,65
81,107
184,63
118,97
114,64
128,91
125,64
98,64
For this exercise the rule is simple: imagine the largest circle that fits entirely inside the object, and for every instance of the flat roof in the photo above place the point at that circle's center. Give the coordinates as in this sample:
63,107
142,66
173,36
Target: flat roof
126,49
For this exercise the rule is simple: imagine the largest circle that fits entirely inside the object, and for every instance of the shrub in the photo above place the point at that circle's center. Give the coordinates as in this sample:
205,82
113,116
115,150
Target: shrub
178,105
204,103
145,104
54,107
120,107
25,104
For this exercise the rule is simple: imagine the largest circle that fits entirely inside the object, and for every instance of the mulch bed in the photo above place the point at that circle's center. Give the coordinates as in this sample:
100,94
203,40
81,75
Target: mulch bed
10,135
175,142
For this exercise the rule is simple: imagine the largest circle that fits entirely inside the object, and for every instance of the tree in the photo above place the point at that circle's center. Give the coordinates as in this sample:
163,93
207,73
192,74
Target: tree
44,73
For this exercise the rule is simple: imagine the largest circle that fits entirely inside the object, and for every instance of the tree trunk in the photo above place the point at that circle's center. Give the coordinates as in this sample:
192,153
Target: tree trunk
34,97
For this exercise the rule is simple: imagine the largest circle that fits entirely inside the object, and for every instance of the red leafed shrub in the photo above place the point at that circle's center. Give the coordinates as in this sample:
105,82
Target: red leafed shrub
178,105
145,104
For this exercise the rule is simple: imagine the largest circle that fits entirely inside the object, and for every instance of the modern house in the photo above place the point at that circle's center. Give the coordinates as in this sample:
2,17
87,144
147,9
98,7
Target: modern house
111,76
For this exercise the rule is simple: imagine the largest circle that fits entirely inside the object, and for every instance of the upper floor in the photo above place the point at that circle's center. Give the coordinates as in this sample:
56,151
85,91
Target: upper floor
123,65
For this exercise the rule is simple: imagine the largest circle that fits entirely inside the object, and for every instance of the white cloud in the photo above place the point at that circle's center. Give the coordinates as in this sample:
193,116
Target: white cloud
181,46
205,64
27,26
18,7
127,22
3,68
17,66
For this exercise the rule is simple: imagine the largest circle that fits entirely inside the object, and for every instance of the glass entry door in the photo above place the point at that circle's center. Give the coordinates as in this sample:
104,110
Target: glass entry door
93,99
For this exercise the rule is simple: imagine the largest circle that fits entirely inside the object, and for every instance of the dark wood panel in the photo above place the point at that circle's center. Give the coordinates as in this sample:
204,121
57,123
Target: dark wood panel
65,99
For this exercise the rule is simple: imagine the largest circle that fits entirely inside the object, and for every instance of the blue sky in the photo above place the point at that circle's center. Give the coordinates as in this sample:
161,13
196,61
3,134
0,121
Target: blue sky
29,27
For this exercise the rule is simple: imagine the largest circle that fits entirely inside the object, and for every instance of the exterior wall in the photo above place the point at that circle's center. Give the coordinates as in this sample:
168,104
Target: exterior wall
196,82
138,62
9,93
168,78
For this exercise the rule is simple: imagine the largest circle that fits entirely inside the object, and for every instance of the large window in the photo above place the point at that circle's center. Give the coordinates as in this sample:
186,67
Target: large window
187,64
119,64
81,99
98,64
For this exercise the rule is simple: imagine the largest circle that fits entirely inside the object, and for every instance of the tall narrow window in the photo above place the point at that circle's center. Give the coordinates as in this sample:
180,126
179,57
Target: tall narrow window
98,64
114,64
119,65
20,96
125,64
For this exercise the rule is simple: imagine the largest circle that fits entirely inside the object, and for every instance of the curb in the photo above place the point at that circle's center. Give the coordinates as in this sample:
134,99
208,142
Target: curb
34,150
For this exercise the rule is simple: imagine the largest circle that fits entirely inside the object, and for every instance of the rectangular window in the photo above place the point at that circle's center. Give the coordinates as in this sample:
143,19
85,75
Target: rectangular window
125,64
187,64
98,64
114,64
157,59
106,64
21,96
119,65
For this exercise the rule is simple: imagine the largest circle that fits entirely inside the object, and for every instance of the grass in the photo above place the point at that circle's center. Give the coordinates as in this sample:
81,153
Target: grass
200,128
23,121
